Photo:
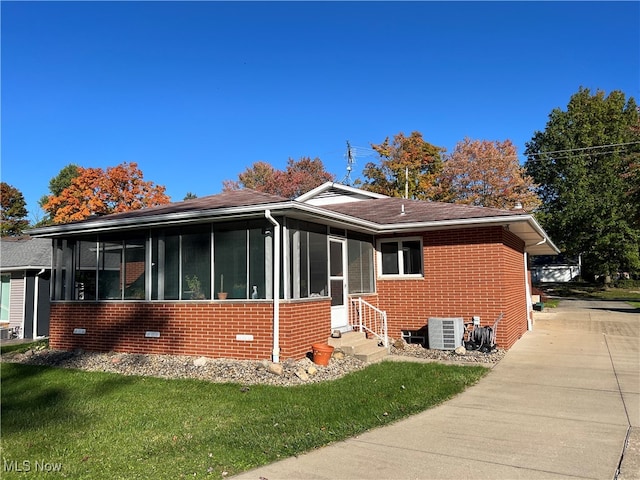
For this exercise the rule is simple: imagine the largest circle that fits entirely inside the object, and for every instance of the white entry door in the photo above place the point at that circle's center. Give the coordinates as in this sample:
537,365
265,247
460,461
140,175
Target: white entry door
338,284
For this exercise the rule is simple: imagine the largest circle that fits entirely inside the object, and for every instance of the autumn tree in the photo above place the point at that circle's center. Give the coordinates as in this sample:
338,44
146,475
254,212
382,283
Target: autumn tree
487,174
407,165
299,177
258,176
582,162
95,191
13,211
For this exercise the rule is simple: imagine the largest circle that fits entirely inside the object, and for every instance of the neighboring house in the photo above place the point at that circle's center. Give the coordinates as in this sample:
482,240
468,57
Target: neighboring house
153,280
25,268
553,269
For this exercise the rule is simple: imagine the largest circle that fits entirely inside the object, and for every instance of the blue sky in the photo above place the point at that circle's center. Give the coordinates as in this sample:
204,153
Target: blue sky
196,92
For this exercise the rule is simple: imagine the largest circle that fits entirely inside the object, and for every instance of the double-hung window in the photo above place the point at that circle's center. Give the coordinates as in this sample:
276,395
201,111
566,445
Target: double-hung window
400,257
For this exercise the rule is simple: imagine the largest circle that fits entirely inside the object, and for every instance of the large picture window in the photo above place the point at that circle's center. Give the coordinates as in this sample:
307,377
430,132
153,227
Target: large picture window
400,257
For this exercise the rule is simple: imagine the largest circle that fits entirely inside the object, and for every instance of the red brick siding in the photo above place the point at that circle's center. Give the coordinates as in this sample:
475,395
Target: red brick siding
514,291
207,329
475,271
303,323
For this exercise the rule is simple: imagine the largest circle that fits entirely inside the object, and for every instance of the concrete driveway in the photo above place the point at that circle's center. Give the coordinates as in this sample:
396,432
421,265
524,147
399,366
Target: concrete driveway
563,403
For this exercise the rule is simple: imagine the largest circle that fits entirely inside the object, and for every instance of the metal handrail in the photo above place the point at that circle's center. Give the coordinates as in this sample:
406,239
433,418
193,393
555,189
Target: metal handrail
369,319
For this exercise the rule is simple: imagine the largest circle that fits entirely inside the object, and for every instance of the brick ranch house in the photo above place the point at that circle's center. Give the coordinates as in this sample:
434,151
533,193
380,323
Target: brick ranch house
149,281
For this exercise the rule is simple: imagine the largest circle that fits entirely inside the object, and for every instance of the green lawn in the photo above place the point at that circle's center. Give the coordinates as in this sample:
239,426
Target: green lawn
23,347
585,290
100,425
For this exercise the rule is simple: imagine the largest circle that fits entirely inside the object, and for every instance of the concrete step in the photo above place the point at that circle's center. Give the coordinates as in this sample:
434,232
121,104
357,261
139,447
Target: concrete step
359,346
371,353
349,342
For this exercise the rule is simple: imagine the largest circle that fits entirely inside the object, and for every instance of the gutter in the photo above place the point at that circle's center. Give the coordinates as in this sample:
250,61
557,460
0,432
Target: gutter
289,207
276,286
110,223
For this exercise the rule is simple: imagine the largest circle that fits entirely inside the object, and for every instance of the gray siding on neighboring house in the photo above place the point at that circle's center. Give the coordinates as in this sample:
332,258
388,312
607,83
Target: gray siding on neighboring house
27,261
16,300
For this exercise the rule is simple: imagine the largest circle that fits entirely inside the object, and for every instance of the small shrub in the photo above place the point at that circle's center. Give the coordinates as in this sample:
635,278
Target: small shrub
627,283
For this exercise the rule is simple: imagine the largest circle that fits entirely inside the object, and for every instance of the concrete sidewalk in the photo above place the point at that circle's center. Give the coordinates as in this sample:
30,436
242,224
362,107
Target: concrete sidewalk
561,404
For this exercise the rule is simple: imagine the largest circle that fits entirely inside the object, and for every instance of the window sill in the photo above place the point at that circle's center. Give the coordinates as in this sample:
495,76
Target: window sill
401,277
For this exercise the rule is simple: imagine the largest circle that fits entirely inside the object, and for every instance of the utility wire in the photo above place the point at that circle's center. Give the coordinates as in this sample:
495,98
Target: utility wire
579,152
586,148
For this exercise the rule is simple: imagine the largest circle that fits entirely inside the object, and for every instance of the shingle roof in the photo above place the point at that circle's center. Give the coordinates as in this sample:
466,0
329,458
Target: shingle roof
18,252
232,198
389,211
373,215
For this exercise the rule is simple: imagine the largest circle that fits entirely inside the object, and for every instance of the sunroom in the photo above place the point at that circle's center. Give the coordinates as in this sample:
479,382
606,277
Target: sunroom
230,260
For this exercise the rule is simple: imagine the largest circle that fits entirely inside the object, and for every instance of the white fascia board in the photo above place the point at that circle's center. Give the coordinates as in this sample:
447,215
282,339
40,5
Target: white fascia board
180,218
485,221
24,268
338,186
242,212
376,228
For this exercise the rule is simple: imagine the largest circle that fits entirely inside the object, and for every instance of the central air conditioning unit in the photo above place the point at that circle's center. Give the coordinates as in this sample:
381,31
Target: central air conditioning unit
445,333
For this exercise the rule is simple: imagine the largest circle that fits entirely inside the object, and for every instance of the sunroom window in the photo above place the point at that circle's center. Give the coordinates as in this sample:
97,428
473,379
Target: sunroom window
360,268
167,264
309,259
400,257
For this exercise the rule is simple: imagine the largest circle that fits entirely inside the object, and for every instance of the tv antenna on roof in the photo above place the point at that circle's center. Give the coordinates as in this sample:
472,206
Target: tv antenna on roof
347,178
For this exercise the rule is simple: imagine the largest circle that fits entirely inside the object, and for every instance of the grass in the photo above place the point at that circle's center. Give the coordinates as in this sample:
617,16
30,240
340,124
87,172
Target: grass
23,347
551,302
102,425
585,290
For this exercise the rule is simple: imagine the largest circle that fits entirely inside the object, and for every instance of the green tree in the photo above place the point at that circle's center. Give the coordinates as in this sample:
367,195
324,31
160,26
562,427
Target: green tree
581,162
407,166
12,211
56,185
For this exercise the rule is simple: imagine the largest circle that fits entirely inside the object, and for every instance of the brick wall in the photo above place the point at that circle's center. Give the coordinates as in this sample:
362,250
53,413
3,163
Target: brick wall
303,323
475,271
186,328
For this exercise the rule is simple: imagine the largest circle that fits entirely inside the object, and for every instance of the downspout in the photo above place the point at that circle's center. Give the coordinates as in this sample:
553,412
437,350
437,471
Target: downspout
528,292
36,295
276,286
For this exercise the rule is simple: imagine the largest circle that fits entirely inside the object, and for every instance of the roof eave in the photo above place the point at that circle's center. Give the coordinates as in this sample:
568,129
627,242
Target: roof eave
20,268
541,246
196,216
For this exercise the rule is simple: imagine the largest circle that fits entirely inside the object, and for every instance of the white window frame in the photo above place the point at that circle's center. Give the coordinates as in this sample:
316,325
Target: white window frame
398,241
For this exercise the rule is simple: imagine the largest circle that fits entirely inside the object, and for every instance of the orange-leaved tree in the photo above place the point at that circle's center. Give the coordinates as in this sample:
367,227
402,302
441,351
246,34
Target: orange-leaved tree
95,191
488,174
408,166
299,177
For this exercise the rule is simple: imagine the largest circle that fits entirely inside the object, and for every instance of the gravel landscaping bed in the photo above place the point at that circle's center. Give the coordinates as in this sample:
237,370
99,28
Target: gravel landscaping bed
447,356
245,372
